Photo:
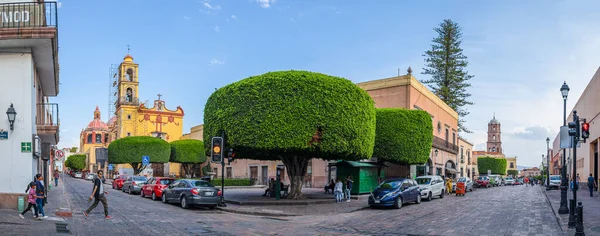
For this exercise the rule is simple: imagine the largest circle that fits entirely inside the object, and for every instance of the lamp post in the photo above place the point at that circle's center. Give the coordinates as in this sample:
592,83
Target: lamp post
564,90
11,113
547,163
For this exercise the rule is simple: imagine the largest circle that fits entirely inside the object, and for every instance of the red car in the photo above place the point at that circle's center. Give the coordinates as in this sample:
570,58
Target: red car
155,186
483,181
118,182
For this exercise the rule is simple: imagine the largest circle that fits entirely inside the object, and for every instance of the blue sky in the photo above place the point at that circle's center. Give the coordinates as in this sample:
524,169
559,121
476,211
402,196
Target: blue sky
519,51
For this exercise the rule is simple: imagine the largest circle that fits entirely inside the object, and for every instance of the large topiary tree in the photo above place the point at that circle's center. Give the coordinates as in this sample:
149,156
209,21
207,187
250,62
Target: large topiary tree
496,165
77,162
129,150
293,116
514,173
403,136
188,152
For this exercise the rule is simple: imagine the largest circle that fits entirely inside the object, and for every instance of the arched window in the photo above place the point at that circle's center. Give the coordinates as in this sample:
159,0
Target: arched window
98,138
494,137
129,74
89,138
105,138
129,96
494,149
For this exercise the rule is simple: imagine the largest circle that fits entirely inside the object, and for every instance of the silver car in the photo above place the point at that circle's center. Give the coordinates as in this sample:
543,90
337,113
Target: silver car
554,181
133,184
509,181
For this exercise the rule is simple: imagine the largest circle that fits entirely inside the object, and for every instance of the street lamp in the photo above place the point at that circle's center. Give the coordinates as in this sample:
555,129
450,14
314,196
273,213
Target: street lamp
11,113
564,90
548,163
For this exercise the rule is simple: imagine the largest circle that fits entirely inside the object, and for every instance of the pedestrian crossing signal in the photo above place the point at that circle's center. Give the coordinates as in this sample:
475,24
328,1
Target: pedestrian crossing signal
216,152
585,130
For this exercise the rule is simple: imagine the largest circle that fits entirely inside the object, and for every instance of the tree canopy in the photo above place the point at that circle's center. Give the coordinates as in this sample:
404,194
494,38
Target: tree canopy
129,150
293,116
403,136
187,152
76,162
446,64
496,165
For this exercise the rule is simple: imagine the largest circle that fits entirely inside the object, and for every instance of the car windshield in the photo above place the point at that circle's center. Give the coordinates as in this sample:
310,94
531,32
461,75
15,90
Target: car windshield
554,177
139,178
390,184
423,180
482,178
509,179
166,181
462,179
202,184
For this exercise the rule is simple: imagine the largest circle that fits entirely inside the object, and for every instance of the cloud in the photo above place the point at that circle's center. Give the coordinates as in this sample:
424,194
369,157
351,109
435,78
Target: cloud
265,3
336,10
234,17
211,7
216,62
186,17
217,28
532,133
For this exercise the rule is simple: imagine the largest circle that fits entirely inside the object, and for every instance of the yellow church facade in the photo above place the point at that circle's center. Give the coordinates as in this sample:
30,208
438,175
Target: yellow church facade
133,118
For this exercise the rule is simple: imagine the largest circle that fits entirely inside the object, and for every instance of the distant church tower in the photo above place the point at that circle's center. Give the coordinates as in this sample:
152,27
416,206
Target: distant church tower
494,142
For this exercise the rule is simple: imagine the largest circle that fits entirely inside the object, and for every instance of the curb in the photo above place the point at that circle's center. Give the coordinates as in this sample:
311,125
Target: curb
287,203
558,220
64,212
225,209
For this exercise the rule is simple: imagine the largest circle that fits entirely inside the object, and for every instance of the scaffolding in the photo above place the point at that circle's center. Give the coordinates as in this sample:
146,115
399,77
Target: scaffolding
113,89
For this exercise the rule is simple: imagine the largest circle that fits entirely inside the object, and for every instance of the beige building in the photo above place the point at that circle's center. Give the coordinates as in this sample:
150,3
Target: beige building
465,166
407,92
588,108
530,172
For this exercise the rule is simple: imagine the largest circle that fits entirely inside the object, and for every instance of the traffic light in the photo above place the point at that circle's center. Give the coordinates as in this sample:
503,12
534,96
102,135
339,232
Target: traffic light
216,152
574,129
585,130
230,156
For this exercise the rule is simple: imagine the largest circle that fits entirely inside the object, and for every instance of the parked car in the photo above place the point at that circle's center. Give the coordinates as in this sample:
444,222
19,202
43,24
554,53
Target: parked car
133,184
118,182
509,181
395,192
483,181
431,185
554,181
155,186
90,176
189,192
518,182
77,175
468,184
495,180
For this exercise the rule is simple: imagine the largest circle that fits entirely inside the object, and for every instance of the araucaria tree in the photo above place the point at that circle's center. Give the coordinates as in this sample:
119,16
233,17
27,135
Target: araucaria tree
129,150
446,65
187,152
403,136
293,116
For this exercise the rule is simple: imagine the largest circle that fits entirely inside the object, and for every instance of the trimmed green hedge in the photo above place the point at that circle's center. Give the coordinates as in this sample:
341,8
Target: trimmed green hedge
496,165
76,162
187,151
279,114
131,149
403,136
232,182
512,172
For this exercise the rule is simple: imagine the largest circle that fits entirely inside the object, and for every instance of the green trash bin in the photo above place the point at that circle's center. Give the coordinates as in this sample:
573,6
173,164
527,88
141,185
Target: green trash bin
21,203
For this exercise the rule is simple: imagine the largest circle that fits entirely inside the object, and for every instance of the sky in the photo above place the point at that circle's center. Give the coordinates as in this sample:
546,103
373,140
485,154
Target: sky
520,52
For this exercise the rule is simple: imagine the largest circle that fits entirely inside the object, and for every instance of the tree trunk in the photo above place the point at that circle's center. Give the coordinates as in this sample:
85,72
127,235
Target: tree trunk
187,168
137,168
296,169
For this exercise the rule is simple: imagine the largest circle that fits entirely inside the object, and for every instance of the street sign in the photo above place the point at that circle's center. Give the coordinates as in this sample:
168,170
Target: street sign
565,139
489,172
145,160
25,146
3,134
110,167
59,154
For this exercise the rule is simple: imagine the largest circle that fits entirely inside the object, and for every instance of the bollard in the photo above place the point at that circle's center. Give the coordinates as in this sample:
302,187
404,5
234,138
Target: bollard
21,203
572,214
579,228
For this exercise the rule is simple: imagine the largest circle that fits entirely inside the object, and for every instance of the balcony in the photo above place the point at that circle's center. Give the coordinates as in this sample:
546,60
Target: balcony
34,26
125,101
47,122
444,145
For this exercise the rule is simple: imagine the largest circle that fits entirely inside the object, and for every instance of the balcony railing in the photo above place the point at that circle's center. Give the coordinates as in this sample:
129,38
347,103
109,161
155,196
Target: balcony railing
47,114
127,101
28,15
444,145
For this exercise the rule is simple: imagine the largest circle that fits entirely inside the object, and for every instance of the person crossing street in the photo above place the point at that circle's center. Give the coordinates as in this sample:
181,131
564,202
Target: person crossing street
98,196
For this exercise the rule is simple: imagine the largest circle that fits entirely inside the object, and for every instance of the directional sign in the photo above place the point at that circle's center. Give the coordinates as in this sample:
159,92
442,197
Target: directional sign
110,167
59,154
145,160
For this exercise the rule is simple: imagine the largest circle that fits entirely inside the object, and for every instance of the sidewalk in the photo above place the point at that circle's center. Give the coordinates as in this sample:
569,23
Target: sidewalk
591,210
251,201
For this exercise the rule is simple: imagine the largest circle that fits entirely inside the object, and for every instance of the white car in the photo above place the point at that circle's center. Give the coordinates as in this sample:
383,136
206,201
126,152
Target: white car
509,181
90,176
554,181
431,185
78,175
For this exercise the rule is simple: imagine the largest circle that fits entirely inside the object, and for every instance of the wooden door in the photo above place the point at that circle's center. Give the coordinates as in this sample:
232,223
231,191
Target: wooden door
253,173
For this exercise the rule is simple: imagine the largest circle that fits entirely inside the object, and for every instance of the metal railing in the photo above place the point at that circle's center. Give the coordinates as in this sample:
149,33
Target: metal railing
47,114
444,145
28,15
127,101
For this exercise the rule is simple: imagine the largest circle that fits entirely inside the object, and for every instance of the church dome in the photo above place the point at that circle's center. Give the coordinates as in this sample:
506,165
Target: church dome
97,123
494,121
128,58
112,121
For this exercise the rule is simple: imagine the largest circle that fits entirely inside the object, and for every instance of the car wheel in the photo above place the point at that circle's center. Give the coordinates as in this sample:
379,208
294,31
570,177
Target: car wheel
113,186
429,196
184,204
442,195
212,207
153,196
142,193
164,199
418,199
397,203
130,191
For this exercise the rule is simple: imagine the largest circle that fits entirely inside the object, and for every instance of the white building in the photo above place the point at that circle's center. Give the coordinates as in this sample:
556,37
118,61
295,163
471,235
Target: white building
29,65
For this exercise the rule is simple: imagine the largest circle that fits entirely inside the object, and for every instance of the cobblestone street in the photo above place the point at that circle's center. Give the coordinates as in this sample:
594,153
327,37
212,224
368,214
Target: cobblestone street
509,210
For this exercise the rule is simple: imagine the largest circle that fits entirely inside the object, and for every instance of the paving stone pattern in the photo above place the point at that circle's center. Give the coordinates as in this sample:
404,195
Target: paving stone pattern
591,210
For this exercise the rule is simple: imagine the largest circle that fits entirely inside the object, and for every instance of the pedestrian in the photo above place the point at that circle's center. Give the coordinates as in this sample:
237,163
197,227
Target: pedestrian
591,184
338,191
40,190
31,200
349,183
571,184
55,178
577,180
98,196
448,186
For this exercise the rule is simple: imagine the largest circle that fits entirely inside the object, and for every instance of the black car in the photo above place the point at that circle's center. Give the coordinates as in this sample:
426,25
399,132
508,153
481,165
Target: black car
189,192
395,192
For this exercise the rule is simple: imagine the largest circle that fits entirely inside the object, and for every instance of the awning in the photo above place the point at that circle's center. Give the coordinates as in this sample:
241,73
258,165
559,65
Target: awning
452,171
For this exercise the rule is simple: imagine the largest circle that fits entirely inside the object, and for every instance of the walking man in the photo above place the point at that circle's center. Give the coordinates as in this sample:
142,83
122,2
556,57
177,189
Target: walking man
591,184
349,183
98,196
55,178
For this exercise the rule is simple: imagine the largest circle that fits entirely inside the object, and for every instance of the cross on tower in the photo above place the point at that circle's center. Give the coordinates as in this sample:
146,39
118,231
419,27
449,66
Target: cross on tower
128,48
159,95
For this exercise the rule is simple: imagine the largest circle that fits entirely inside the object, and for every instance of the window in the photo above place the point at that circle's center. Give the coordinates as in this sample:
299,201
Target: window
447,135
469,155
129,117
129,96
494,128
105,138
512,165
89,138
129,74
439,127
494,137
494,149
453,138
128,134
98,138
229,172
